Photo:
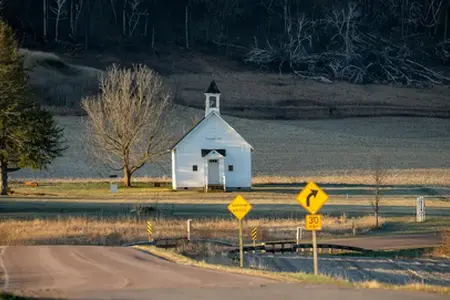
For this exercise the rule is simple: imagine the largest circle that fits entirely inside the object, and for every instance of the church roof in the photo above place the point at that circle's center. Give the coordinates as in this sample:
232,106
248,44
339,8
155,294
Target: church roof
198,124
213,89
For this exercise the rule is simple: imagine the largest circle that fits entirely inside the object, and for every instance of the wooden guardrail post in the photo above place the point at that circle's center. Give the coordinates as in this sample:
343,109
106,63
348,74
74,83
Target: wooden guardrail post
189,224
353,228
299,234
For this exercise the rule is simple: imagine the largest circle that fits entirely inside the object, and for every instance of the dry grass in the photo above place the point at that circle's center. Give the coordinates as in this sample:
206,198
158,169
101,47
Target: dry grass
97,231
444,250
396,177
298,277
336,151
419,176
56,82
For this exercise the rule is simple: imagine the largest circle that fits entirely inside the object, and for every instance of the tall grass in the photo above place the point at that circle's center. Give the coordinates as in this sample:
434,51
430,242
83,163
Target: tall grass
117,231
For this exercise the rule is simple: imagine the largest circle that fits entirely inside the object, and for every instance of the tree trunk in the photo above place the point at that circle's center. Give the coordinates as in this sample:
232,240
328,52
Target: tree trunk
446,24
186,25
57,27
3,178
126,177
44,8
377,224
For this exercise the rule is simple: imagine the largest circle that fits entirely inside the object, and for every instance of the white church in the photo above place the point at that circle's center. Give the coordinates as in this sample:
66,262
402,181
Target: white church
212,155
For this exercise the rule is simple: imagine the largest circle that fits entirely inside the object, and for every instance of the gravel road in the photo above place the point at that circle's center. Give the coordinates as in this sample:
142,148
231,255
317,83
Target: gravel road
125,273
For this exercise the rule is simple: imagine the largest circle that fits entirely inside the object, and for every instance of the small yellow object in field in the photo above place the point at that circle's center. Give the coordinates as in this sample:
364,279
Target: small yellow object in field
239,207
312,198
31,183
313,222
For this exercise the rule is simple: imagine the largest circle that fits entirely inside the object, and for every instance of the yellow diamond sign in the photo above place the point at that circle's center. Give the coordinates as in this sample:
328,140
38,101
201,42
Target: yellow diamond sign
312,198
239,207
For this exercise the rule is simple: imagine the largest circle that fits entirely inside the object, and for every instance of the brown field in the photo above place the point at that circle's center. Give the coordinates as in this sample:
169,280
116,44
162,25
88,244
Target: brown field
415,150
91,231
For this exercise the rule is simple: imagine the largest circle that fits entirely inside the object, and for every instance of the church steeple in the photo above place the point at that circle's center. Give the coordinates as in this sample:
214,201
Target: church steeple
212,101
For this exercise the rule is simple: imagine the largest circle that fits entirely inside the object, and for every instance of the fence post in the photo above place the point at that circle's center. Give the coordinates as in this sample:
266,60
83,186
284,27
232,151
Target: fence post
189,229
353,228
299,234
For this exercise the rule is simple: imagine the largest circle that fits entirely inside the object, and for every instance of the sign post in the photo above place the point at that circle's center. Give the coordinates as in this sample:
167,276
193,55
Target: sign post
312,198
239,207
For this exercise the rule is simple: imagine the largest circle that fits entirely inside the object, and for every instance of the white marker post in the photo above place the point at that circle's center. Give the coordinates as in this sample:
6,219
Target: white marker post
189,224
299,234
420,209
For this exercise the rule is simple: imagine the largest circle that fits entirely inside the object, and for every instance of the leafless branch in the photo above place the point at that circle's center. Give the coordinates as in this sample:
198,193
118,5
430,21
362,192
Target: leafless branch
129,122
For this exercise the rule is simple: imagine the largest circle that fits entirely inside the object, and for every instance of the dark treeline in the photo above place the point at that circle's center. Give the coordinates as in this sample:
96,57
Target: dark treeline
357,40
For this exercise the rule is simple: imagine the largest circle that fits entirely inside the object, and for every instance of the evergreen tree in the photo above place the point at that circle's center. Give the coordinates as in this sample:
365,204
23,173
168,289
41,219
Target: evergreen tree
29,135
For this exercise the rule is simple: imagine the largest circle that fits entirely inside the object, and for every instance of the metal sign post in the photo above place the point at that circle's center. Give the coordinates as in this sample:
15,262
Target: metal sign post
241,245
312,198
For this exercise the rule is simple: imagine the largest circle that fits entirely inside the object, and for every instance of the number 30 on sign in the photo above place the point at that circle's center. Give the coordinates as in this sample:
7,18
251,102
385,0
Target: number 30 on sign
313,222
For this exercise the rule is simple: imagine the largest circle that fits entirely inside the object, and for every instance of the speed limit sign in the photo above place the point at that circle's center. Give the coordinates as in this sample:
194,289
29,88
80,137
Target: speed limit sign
313,222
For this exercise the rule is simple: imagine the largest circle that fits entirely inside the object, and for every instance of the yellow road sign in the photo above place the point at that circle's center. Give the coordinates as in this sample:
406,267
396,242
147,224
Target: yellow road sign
254,234
239,207
313,222
312,198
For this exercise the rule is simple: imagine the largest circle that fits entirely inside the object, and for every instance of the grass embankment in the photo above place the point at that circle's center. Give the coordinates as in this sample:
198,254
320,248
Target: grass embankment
146,192
291,277
117,231
120,230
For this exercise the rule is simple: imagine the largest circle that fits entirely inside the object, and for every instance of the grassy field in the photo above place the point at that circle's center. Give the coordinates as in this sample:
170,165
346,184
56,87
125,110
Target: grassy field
414,150
120,230
251,93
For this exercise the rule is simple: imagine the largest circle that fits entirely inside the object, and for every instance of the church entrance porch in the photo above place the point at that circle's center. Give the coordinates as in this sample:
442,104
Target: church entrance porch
214,170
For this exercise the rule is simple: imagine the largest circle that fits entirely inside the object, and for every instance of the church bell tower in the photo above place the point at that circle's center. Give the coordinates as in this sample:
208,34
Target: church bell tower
212,99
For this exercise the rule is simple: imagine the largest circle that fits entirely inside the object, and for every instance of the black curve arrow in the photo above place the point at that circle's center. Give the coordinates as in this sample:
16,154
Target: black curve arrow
313,193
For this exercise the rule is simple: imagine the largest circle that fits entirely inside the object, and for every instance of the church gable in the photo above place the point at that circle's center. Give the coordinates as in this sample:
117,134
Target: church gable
213,129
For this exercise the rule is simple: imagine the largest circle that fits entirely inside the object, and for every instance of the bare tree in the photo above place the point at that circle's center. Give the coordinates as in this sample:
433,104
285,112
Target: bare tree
60,13
128,122
75,11
114,11
380,173
45,18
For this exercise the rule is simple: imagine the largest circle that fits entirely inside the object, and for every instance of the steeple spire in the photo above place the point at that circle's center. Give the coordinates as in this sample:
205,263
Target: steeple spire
212,101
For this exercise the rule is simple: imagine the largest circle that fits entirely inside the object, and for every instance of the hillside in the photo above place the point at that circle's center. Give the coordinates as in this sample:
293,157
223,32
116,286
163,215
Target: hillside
61,81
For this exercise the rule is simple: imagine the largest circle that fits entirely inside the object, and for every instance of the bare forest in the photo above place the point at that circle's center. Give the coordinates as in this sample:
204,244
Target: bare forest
405,42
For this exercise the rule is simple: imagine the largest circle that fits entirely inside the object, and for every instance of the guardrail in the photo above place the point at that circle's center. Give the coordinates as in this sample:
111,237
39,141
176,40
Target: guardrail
287,246
292,247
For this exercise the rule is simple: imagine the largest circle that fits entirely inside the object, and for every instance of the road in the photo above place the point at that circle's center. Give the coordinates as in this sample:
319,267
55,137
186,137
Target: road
53,208
124,273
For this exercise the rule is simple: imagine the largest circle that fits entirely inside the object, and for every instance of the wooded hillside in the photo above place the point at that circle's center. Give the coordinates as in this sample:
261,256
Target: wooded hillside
360,41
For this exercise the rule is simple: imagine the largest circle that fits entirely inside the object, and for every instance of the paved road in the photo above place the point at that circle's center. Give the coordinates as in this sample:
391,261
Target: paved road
52,208
125,273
